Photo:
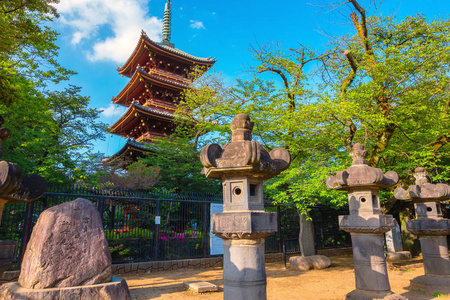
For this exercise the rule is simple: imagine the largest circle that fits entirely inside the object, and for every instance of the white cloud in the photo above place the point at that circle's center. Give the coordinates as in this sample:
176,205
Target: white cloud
197,24
113,110
108,30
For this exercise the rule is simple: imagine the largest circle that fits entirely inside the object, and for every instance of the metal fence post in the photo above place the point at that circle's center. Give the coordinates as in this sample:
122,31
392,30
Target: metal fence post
26,232
156,234
205,218
101,205
279,228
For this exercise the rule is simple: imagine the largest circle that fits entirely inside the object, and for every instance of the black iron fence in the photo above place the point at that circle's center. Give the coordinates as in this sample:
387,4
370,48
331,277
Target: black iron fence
160,225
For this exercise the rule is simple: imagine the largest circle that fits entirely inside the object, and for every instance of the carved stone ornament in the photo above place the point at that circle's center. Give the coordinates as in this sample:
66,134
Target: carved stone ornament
376,224
242,155
361,174
242,235
423,190
243,225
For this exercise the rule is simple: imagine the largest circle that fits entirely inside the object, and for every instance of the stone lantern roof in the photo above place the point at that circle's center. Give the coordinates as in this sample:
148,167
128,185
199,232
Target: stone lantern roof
360,174
423,190
243,156
426,198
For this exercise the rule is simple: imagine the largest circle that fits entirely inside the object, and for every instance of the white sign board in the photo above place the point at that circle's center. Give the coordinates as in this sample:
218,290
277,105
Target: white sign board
158,220
216,245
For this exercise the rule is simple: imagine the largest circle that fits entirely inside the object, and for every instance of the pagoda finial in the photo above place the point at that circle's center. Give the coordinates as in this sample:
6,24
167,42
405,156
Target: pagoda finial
167,24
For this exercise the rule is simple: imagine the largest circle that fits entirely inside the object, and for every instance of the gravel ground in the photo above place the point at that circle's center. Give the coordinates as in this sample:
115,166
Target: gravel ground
282,284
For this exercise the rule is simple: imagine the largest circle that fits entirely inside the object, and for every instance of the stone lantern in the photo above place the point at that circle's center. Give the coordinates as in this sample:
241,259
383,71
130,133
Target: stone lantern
14,188
366,224
432,230
243,165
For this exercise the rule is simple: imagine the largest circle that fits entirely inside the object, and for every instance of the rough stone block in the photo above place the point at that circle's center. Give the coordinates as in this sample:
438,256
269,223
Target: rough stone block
144,266
127,268
167,265
134,267
397,256
185,263
200,286
117,289
67,248
179,264
305,263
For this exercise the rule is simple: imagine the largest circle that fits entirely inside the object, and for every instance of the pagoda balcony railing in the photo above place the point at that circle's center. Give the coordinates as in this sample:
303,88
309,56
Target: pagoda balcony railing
168,76
159,104
150,137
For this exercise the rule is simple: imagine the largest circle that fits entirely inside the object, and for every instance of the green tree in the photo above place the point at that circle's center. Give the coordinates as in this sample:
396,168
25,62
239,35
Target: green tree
50,132
27,46
100,174
390,91
179,166
385,86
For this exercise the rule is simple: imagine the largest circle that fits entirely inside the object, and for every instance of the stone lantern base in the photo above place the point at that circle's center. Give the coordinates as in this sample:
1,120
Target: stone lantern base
117,289
373,295
432,284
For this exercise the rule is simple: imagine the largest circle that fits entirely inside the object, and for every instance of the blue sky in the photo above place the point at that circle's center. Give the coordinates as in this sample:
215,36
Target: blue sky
97,36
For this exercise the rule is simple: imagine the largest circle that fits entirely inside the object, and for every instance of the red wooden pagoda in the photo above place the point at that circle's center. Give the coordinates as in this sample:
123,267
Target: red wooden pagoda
158,74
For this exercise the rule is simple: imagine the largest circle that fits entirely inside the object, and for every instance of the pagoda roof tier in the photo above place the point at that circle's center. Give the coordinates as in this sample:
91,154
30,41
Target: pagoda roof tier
138,83
131,149
140,55
133,116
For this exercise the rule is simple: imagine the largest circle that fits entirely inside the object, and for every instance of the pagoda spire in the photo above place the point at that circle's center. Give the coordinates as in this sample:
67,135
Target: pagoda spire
167,24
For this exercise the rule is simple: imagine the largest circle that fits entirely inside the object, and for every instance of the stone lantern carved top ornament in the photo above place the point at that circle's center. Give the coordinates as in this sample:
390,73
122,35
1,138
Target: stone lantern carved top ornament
243,156
423,190
360,174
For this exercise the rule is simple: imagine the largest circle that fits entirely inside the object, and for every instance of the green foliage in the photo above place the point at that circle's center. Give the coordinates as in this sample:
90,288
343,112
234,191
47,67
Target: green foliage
388,90
440,295
179,166
99,174
26,45
49,131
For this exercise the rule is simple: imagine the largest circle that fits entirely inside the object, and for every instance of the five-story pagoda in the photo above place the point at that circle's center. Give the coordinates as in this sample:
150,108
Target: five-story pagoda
158,74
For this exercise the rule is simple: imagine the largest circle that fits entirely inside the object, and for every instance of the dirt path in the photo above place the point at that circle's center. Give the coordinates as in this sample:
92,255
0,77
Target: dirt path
332,283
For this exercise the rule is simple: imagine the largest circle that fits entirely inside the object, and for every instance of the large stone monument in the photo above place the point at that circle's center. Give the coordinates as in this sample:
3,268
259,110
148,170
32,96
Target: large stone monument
366,224
242,165
14,188
67,257
432,230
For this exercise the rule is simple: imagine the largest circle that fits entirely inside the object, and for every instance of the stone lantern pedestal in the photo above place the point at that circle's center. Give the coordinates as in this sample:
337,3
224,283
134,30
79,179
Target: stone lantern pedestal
242,165
432,230
366,224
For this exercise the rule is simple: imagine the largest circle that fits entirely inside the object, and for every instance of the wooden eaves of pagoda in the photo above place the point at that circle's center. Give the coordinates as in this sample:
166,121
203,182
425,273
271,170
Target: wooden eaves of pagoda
131,150
137,121
146,48
140,83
